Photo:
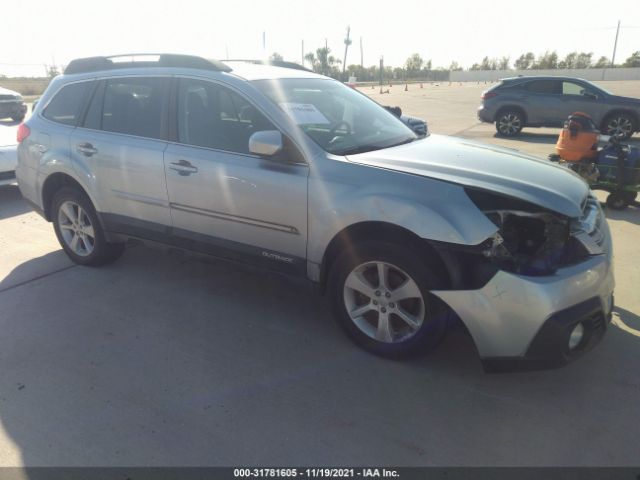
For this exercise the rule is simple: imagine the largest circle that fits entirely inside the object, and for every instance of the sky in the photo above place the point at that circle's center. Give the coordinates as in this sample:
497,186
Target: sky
56,31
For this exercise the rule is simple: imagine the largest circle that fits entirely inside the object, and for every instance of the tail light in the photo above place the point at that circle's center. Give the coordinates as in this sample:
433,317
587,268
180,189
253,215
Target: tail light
23,132
487,95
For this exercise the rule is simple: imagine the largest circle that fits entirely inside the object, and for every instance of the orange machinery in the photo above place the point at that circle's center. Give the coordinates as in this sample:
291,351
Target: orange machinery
578,139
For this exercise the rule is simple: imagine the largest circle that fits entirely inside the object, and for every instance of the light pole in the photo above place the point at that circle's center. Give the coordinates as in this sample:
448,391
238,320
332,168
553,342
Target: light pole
615,46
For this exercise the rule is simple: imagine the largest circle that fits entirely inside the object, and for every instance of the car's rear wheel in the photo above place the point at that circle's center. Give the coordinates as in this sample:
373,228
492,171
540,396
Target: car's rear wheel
380,295
509,122
619,124
79,231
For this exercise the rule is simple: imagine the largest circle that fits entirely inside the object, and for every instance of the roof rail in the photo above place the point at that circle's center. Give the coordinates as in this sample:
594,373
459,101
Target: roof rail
275,63
137,60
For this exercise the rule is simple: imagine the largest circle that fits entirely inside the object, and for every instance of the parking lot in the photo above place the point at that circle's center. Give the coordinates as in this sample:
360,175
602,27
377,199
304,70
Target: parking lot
163,359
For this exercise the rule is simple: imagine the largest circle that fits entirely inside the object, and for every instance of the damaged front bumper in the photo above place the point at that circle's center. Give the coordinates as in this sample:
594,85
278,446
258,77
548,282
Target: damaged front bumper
521,322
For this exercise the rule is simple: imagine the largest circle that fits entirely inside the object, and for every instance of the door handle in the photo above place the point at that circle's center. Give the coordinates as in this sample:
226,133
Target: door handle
86,149
183,167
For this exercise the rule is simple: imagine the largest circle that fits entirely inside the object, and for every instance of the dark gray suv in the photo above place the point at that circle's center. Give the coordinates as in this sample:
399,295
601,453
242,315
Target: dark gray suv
547,101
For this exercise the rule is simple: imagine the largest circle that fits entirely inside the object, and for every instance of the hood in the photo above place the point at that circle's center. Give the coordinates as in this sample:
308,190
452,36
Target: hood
626,100
6,91
496,169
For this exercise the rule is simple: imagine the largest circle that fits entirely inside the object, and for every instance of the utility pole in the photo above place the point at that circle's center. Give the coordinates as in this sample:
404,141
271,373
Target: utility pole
361,55
347,42
615,46
381,71
302,54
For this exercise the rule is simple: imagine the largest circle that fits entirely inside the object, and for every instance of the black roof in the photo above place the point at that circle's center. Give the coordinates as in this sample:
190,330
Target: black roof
137,60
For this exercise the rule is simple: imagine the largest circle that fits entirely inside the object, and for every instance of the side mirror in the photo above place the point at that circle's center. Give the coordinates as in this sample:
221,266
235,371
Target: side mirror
589,95
266,143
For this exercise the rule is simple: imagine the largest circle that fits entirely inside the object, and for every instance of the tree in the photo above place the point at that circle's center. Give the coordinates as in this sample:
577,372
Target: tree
455,67
276,57
569,61
603,62
52,71
633,61
322,62
546,61
524,61
584,60
414,64
503,63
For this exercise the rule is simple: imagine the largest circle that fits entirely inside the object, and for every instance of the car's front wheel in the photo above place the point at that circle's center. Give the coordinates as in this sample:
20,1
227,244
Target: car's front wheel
509,123
619,124
380,295
79,231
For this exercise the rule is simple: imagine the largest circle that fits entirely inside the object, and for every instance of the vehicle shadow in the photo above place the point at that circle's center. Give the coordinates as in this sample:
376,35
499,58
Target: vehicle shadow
630,214
8,123
532,137
11,202
168,359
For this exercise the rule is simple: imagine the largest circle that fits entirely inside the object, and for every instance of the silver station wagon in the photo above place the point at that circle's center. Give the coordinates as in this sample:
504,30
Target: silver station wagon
298,173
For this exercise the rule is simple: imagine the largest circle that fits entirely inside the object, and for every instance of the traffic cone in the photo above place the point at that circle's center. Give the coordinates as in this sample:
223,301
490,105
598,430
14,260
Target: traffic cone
406,87
421,85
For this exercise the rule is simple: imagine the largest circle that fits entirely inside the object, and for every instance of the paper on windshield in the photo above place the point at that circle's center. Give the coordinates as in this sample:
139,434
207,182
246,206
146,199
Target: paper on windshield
304,113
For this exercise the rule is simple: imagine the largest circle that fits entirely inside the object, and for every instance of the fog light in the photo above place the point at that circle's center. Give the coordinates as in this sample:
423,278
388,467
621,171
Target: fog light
576,336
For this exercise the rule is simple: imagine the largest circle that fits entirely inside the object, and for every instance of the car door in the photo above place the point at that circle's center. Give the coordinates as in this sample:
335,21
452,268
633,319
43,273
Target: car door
119,148
542,98
225,200
577,97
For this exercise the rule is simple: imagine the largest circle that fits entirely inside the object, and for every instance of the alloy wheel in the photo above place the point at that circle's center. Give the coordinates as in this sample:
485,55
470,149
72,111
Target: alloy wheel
509,124
76,228
620,126
384,302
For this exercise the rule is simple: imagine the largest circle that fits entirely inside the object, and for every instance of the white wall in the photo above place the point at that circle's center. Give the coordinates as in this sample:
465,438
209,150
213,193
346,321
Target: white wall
586,73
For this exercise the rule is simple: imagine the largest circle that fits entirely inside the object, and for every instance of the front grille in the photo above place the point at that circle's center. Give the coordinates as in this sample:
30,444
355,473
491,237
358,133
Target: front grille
7,175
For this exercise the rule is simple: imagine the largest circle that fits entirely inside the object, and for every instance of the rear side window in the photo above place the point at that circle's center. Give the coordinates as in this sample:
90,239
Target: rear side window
544,86
132,106
66,105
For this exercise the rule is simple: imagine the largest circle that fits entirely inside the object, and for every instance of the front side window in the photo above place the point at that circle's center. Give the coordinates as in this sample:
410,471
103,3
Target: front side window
339,119
213,116
133,106
570,88
66,105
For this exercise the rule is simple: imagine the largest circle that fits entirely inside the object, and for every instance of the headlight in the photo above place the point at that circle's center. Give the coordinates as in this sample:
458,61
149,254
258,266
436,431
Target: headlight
530,240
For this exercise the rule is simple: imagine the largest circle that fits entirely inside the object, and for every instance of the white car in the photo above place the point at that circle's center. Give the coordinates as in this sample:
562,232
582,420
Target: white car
8,160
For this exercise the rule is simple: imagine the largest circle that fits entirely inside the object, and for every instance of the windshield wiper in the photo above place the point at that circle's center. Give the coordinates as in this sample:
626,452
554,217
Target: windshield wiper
358,149
370,148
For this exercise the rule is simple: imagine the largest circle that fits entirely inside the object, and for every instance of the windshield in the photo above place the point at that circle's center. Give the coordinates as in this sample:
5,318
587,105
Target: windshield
339,119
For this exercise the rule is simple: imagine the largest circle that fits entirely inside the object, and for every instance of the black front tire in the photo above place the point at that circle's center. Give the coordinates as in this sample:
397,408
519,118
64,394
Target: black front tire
103,252
426,276
509,122
617,201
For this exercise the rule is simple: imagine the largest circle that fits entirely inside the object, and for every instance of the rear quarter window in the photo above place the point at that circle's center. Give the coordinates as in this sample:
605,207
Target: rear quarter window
66,105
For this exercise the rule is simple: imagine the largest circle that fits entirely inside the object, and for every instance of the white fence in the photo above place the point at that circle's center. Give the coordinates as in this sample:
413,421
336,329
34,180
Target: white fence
586,73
